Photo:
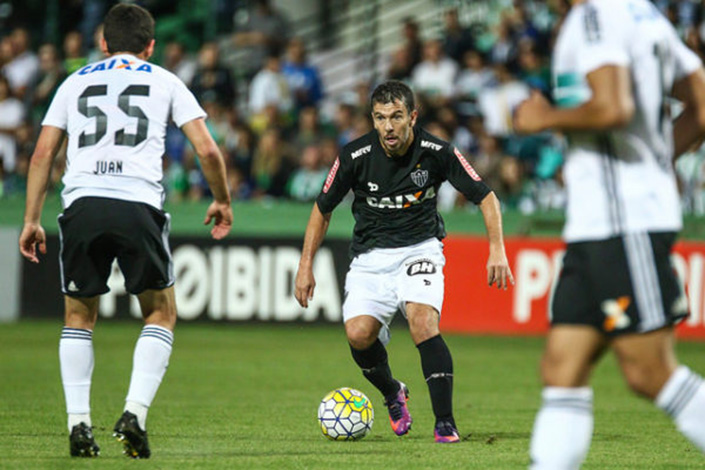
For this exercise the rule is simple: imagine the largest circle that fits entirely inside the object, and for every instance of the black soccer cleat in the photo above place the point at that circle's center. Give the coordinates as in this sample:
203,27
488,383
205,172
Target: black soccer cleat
82,443
132,437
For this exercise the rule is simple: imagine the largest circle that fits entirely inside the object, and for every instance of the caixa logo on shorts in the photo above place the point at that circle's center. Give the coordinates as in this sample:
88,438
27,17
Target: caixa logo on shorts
421,266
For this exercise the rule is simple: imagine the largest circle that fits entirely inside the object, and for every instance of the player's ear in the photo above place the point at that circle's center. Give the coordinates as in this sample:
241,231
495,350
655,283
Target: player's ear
414,115
149,50
104,46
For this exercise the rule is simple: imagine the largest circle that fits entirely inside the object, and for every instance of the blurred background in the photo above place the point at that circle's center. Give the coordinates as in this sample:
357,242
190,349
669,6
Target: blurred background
286,84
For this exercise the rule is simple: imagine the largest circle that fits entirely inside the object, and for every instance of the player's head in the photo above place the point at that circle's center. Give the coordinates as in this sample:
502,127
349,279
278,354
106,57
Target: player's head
394,115
128,28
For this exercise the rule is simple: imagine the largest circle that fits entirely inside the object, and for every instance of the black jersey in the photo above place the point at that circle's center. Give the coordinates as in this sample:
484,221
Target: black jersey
395,197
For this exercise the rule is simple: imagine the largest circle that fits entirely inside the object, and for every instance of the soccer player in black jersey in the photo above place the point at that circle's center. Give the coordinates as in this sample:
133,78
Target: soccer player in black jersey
395,172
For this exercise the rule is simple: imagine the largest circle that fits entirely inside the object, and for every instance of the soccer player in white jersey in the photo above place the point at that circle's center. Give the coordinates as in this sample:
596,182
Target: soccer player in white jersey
115,114
615,65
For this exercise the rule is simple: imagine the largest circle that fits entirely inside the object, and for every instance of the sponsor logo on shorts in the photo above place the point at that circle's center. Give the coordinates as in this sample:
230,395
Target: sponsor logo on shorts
422,266
615,311
72,287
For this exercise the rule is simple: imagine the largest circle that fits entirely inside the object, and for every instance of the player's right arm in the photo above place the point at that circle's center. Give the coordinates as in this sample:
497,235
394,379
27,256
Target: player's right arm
213,167
689,127
50,139
337,184
315,231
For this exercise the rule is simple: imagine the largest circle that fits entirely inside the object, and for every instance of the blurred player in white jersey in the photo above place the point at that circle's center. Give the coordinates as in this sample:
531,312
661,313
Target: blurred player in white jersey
615,66
115,114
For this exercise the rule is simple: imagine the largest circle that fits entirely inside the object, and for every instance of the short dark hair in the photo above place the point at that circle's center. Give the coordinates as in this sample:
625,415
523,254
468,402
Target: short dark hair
128,28
392,90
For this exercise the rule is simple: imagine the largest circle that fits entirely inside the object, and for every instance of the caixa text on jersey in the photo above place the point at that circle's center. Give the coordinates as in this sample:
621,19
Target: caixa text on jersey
401,201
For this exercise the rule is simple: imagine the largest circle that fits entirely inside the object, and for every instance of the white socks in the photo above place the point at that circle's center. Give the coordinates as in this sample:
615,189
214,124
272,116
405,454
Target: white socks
150,361
563,429
76,361
683,398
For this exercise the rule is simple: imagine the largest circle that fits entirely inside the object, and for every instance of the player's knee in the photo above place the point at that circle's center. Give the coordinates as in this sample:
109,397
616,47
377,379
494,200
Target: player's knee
557,371
360,336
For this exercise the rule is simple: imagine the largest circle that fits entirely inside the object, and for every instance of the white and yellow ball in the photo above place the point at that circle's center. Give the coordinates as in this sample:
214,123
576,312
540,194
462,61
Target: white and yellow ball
345,414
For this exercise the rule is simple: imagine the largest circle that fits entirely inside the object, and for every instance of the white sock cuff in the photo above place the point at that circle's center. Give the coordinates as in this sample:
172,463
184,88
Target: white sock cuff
76,333
678,390
158,332
575,398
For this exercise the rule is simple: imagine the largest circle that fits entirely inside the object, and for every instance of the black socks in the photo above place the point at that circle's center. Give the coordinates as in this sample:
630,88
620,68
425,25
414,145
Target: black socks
375,367
437,366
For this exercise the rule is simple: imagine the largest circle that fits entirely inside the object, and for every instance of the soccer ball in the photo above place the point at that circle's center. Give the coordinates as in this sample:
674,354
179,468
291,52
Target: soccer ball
345,414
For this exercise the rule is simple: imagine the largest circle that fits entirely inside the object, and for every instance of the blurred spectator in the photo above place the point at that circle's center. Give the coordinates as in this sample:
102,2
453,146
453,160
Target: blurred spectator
23,65
269,89
344,120
433,78
329,151
512,188
266,29
51,74
11,118
457,40
176,61
412,41
497,103
504,48
310,131
304,79
73,52
532,69
458,135
472,79
212,81
401,65
95,54
271,166
306,181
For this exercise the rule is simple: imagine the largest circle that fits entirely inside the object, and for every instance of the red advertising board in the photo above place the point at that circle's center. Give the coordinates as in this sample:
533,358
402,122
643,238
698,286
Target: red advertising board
472,307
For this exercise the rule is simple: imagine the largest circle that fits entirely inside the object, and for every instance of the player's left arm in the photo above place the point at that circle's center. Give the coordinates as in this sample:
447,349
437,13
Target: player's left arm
50,139
498,270
610,106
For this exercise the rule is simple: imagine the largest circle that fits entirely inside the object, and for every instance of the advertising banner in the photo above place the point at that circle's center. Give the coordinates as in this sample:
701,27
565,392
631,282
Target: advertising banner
251,279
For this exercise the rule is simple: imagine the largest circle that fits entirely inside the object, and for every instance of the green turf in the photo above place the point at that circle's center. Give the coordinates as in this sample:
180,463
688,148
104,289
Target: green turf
246,397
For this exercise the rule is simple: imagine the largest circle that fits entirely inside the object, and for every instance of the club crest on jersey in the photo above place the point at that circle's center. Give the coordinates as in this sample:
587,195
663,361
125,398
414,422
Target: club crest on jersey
422,266
419,177
122,64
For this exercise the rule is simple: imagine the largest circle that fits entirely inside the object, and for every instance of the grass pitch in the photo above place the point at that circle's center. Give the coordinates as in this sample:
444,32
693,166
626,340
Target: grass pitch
246,397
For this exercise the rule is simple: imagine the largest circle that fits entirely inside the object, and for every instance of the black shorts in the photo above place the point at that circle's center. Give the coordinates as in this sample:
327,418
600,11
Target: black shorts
620,285
94,231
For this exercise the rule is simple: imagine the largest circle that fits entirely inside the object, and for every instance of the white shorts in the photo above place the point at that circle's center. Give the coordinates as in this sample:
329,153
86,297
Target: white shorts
381,281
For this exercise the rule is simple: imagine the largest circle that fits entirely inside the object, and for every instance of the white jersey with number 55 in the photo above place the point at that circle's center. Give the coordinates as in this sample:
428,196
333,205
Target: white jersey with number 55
621,181
115,113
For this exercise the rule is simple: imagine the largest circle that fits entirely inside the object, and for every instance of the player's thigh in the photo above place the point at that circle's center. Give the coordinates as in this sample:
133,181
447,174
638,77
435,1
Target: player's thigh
570,354
647,360
423,321
144,256
80,312
158,307
86,247
370,295
420,279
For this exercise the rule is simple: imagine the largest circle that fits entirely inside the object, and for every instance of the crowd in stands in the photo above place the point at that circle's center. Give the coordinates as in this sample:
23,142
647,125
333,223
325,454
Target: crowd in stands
268,117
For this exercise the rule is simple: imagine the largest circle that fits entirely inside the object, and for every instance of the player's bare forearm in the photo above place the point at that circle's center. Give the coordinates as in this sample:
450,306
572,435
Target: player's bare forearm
611,105
316,229
50,139
689,127
315,232
498,271
211,159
